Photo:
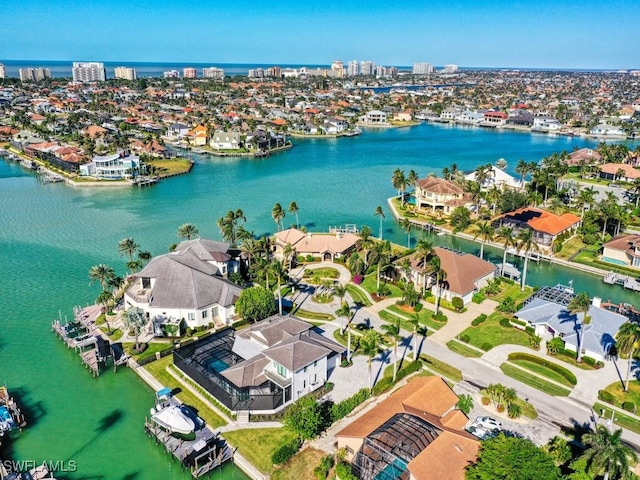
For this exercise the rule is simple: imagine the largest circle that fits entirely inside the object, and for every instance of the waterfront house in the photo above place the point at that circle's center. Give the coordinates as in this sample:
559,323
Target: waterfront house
177,131
546,226
116,166
584,156
437,195
374,118
404,116
187,285
498,178
222,140
470,117
623,250
197,136
264,367
326,246
605,130
619,171
414,434
520,118
546,311
494,119
466,274
545,123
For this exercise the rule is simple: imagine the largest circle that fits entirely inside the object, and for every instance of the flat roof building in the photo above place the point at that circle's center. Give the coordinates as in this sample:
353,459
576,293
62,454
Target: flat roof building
34,74
88,72
213,72
189,72
125,73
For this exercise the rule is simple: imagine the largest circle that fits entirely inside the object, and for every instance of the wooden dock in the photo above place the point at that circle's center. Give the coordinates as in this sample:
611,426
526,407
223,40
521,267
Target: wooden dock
10,404
201,455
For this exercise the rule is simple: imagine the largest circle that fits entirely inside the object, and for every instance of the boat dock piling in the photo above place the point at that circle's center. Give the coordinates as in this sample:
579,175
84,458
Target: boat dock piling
626,281
426,226
10,404
201,455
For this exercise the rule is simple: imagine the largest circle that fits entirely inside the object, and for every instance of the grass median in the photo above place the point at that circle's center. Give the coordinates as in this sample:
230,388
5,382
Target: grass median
534,381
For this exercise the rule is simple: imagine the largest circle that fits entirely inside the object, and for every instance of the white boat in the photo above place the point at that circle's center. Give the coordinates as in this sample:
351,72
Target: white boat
174,419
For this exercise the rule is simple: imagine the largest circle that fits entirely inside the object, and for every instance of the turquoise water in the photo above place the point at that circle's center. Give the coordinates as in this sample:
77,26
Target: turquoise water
52,234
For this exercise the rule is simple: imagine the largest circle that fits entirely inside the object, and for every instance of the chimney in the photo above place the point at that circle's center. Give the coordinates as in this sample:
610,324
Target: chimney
596,302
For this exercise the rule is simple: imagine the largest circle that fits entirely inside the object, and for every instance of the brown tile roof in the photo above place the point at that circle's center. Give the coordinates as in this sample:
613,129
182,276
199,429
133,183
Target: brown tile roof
625,243
587,154
612,169
439,185
463,269
446,458
544,221
317,242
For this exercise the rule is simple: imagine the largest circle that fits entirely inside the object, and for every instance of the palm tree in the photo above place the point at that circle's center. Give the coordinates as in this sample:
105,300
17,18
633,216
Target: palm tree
634,190
382,258
393,330
506,234
407,226
628,343
343,312
607,455
475,190
379,213
188,231
339,291
105,298
369,345
399,182
483,173
228,225
485,231
412,178
101,273
424,252
585,198
288,252
293,209
440,277
128,246
277,213
493,196
415,322
525,242
580,304
522,168
280,272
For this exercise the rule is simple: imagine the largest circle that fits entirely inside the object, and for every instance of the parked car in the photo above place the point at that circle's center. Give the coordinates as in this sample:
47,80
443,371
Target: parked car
489,423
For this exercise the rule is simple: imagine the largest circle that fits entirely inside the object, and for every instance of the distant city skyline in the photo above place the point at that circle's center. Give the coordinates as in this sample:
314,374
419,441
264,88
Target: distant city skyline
565,35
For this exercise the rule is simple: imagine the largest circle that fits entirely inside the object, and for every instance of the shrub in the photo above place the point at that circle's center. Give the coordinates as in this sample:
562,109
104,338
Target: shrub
500,408
478,297
322,470
343,471
485,401
486,346
285,452
382,386
300,259
345,407
309,258
479,319
589,361
629,407
606,397
465,338
441,317
504,322
530,330
357,279
566,374
508,305
517,321
457,303
417,307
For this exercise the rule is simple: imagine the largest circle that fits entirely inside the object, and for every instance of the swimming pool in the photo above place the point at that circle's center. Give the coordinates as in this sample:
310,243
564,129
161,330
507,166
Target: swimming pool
615,261
217,365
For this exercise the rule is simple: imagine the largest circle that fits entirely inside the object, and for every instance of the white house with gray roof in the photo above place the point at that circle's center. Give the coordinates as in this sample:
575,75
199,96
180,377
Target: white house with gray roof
550,318
187,285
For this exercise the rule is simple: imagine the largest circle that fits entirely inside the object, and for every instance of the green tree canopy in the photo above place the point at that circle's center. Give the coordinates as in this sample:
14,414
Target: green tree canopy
512,458
307,418
256,303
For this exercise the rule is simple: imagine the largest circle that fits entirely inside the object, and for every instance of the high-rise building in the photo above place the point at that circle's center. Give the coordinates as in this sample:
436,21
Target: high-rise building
275,72
353,68
171,74
256,73
213,72
189,72
337,69
88,72
3,71
34,74
450,68
125,73
422,68
367,67
385,72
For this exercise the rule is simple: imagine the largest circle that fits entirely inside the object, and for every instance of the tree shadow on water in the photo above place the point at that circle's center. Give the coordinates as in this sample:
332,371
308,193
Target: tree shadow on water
104,425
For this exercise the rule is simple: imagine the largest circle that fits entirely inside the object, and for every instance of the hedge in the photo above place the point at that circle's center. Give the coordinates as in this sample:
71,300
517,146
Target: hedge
345,407
566,374
417,307
286,451
606,397
629,407
478,297
517,321
479,319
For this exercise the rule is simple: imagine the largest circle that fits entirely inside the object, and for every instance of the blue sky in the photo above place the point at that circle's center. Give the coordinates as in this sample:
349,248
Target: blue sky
475,33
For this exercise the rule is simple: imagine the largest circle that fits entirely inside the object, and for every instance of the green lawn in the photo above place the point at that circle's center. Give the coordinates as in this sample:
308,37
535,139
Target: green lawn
620,419
309,315
150,351
570,358
512,291
426,317
322,272
534,381
370,285
633,395
570,248
358,295
441,368
544,371
170,166
490,334
258,444
462,349
301,466
159,370
527,409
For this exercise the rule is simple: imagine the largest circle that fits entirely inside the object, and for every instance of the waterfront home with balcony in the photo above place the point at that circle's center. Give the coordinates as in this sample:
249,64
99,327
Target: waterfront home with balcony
605,130
327,246
116,166
437,195
619,171
623,250
546,226
546,123
222,140
374,118
263,368
498,178
187,286
494,119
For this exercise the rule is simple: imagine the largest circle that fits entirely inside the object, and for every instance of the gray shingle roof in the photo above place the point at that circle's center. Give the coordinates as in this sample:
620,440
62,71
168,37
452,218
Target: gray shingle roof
297,352
247,373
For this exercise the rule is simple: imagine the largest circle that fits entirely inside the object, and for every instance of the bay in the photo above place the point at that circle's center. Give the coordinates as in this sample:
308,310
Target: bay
52,234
